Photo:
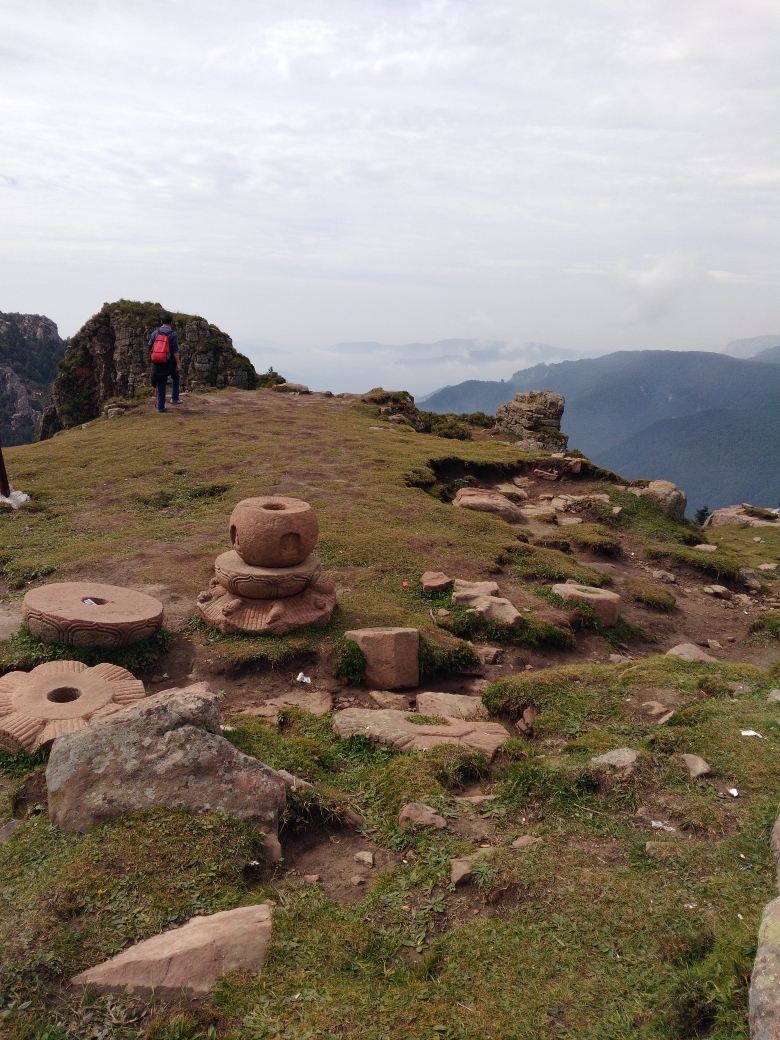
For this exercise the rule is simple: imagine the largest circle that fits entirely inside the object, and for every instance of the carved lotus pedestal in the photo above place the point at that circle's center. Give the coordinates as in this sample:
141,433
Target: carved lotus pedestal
270,582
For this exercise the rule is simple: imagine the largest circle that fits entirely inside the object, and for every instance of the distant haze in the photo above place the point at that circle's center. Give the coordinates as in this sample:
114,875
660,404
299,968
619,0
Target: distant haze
593,174
748,348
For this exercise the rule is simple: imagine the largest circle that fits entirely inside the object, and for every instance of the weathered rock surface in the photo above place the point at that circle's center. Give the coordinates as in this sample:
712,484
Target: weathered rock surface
394,728
291,388
667,496
694,765
8,829
512,492
186,961
234,614
166,750
535,417
88,613
484,501
391,656
461,868
706,547
272,531
764,1003
478,596
605,604
248,582
60,697
417,814
690,652
398,701
30,350
744,514
620,758
451,705
435,581
526,841
108,357
317,702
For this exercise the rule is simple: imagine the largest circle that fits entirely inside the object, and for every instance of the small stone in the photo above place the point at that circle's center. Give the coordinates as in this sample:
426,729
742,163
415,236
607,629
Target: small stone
525,724
767,566
662,849
689,652
461,867
694,765
484,501
489,654
451,705
417,814
365,859
758,539
311,879
605,604
713,644
617,510
442,613
619,659
479,595
8,829
620,758
773,697
357,879
666,576
477,799
705,547
114,413
435,581
568,521
526,841
386,699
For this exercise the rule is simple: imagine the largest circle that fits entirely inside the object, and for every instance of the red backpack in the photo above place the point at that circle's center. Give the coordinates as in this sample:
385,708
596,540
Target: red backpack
161,349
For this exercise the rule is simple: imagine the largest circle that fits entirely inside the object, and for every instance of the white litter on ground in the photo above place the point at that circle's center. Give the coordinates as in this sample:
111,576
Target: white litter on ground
15,499
303,678
750,733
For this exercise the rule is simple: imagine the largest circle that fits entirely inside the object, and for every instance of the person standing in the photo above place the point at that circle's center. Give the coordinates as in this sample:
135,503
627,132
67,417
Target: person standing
166,361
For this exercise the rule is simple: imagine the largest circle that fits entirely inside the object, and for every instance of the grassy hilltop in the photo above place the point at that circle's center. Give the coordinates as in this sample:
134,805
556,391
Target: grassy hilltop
585,935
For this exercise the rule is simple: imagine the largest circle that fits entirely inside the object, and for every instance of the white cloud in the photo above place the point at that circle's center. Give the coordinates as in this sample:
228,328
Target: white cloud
308,173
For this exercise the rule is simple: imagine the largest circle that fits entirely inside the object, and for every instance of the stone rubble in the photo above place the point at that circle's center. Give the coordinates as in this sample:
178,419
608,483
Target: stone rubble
419,815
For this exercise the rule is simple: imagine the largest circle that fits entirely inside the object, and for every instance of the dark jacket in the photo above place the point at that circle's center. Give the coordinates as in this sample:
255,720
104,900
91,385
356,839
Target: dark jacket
170,367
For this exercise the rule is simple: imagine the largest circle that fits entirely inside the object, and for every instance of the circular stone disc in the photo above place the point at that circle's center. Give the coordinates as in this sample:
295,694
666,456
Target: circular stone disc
62,696
114,616
265,582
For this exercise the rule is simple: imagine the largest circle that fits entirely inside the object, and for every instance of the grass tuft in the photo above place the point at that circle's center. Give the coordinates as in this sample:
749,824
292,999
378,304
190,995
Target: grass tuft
22,651
654,596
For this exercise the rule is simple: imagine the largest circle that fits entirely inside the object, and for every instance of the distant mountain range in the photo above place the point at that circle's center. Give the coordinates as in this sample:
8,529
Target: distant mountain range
709,422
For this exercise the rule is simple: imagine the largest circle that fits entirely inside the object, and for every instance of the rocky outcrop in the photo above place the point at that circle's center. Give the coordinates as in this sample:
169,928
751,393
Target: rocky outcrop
666,495
744,515
108,357
534,417
30,350
166,750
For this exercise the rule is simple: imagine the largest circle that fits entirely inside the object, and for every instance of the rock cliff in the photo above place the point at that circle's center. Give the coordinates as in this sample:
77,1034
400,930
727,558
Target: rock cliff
108,357
30,350
534,417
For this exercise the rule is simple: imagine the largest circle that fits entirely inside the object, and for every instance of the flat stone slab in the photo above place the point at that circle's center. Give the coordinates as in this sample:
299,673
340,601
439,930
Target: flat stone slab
394,728
60,697
244,580
435,581
317,702
485,501
87,613
620,758
605,604
166,750
418,814
694,765
186,961
690,652
275,617
391,656
479,597
451,705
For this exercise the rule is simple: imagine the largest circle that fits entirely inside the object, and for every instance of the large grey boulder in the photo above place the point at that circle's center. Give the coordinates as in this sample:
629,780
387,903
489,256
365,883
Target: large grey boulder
186,961
166,750
666,495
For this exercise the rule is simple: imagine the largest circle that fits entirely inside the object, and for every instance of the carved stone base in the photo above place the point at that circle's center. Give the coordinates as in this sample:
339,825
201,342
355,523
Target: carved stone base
243,580
59,697
87,613
276,617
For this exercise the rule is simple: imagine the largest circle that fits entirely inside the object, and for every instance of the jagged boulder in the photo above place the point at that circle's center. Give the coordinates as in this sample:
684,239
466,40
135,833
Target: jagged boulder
535,417
666,495
166,750
108,357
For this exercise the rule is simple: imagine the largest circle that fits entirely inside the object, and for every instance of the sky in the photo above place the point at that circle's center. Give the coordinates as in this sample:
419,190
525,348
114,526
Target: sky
594,175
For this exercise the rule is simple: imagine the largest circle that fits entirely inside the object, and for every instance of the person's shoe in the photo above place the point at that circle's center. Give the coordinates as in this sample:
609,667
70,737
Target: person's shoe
161,409
177,402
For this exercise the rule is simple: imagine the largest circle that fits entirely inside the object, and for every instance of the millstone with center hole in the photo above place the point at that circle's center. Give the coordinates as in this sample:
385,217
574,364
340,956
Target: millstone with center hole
59,697
265,582
87,613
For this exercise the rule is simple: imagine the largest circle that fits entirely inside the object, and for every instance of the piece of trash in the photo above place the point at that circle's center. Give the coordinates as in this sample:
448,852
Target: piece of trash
227,729
253,863
732,791
660,825
740,917
750,733
405,584
747,866
303,678
90,602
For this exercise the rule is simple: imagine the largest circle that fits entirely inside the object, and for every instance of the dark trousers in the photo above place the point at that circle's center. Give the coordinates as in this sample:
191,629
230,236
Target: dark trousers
162,382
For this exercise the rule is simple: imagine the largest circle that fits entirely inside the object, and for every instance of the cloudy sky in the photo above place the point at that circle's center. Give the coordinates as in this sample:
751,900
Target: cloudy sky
590,174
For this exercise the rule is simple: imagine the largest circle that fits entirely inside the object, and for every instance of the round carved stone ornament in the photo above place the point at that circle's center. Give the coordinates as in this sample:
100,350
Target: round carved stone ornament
275,617
59,697
87,613
273,532
265,582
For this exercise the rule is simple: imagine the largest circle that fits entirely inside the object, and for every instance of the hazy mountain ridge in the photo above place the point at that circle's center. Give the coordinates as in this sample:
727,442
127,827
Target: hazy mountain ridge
626,411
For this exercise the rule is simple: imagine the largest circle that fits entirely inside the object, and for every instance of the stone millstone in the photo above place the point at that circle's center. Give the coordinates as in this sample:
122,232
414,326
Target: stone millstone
186,961
249,582
273,531
394,728
235,614
86,613
167,750
60,697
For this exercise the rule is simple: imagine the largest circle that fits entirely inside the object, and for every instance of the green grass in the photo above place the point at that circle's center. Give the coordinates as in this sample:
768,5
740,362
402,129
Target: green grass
22,651
651,595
